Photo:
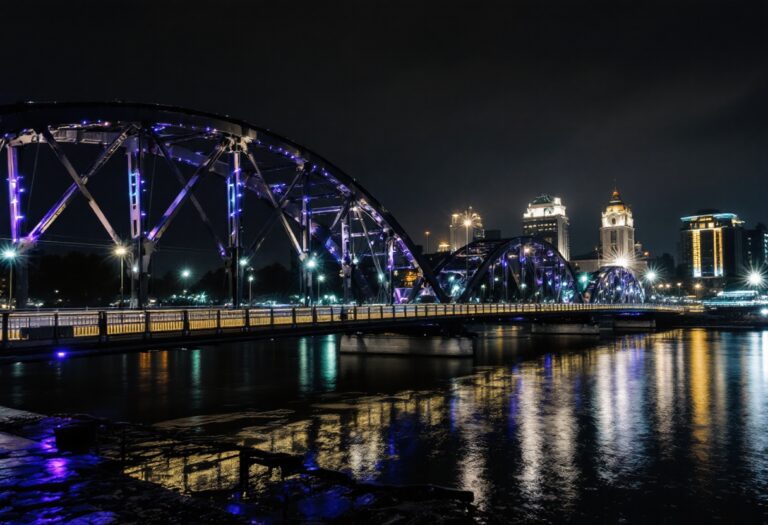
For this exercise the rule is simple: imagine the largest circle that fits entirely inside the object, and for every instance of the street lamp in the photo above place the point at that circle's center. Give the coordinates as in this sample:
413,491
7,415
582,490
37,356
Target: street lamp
311,264
121,252
320,279
467,224
250,290
10,254
427,234
185,274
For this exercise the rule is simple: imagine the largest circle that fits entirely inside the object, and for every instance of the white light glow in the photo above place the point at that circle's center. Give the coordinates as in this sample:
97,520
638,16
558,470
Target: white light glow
755,278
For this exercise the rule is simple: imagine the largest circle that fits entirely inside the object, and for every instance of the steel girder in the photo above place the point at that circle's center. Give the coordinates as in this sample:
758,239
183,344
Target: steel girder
320,208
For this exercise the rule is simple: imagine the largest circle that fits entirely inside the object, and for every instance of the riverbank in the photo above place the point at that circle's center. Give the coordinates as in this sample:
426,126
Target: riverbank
101,483
41,484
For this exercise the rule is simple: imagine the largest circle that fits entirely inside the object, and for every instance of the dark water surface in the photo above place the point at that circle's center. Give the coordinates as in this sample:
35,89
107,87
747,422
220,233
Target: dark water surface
665,427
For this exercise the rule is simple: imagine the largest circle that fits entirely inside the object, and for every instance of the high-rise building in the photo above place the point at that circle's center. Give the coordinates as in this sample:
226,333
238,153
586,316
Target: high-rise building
712,245
546,218
617,231
466,226
756,246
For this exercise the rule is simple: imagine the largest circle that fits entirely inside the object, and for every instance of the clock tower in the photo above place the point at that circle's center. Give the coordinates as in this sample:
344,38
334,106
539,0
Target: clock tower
617,230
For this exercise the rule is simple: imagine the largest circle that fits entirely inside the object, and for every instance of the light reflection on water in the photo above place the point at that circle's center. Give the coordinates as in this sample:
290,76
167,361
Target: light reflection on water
641,427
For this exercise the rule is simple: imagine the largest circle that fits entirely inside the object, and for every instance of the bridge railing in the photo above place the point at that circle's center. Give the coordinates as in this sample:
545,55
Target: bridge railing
20,328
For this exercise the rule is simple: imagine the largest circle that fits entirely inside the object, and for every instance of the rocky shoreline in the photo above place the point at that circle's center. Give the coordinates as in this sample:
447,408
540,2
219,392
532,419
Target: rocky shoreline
202,480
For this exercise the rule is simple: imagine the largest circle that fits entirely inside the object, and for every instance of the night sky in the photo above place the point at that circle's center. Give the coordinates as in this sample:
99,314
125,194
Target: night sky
444,105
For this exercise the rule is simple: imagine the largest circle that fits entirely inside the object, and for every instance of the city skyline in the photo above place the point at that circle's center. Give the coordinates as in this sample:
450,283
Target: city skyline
673,232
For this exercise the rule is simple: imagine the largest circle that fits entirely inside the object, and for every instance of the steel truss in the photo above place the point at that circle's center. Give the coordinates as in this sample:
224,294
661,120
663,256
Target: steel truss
520,269
614,285
323,212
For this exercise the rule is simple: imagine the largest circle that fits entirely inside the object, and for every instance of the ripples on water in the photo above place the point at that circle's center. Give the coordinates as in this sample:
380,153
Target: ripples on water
666,426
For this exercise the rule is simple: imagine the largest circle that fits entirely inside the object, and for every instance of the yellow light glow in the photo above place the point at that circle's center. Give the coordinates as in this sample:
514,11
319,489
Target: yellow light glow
696,249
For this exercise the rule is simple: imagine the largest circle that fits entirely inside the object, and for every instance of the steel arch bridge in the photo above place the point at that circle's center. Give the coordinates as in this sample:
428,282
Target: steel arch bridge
318,206
520,269
614,285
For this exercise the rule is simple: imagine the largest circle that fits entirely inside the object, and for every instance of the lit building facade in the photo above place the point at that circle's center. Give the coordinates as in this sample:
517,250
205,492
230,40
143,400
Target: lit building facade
712,245
617,230
546,218
466,226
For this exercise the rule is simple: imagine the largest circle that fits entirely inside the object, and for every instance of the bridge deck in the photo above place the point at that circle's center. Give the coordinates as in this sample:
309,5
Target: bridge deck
100,327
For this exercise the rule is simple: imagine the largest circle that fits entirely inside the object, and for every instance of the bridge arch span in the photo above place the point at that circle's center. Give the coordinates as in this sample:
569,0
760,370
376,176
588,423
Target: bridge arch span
317,205
614,285
519,269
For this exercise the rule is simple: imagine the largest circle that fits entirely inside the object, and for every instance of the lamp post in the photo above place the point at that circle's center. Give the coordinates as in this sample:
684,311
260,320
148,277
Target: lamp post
10,254
250,290
467,224
311,264
185,274
427,234
237,282
697,287
121,252
650,278
320,279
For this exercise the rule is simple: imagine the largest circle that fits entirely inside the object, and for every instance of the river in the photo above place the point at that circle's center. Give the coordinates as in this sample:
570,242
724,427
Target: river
665,426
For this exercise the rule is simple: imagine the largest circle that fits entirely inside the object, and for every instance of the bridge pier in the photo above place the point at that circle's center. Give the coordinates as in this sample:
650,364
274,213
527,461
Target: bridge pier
633,325
573,328
445,338
407,345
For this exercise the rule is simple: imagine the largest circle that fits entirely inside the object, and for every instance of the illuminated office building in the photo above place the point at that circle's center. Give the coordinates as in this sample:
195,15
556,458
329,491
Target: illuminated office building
546,218
466,226
712,245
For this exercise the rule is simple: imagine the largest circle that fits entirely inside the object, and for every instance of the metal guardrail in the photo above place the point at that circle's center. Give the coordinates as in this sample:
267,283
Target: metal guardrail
127,325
